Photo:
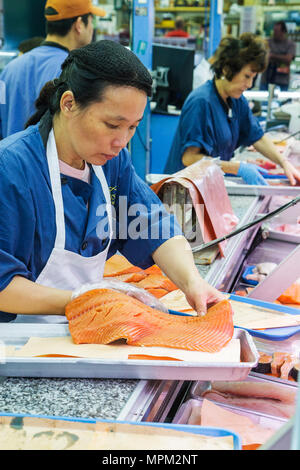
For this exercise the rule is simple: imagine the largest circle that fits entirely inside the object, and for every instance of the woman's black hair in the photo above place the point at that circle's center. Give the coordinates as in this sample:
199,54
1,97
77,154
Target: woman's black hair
234,53
88,71
62,27
282,25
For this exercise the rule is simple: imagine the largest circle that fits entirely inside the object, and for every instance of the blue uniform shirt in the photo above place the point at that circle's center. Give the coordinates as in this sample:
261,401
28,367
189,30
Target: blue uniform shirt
27,217
204,123
23,79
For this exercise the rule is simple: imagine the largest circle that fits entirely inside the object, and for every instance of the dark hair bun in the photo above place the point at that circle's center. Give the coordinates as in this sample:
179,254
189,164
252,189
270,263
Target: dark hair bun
87,72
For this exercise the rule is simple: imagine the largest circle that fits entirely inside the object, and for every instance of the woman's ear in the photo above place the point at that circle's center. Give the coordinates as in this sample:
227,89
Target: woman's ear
225,72
67,102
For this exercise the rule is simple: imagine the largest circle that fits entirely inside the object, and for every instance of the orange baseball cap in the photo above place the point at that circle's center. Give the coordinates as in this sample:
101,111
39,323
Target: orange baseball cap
56,10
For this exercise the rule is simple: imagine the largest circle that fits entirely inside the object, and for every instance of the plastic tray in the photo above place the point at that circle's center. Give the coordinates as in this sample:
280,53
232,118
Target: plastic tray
201,430
17,334
249,270
274,334
270,176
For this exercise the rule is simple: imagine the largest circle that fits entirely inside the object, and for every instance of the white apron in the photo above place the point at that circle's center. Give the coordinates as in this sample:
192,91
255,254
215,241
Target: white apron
65,269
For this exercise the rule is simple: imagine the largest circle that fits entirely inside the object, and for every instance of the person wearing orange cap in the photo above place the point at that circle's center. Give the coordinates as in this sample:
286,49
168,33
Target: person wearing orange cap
69,25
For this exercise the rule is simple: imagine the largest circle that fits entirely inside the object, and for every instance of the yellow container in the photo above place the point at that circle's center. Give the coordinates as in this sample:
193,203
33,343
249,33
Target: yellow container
167,24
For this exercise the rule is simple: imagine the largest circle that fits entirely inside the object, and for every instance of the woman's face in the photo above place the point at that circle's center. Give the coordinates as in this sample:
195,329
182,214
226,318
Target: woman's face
240,82
99,132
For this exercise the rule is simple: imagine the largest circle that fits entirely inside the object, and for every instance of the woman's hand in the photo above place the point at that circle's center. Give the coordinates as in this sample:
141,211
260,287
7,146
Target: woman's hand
252,174
266,147
175,258
291,172
201,295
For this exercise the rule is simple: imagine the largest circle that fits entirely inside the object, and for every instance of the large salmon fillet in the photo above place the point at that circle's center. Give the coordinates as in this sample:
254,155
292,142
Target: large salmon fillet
102,316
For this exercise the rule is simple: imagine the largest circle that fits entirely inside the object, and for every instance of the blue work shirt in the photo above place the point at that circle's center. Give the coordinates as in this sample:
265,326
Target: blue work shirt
23,79
205,123
27,213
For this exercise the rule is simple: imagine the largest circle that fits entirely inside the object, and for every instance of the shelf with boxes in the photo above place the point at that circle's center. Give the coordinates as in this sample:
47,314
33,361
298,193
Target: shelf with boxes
193,16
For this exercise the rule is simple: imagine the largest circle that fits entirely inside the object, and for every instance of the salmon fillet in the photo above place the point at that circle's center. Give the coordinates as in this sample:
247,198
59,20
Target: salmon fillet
291,295
130,277
155,281
117,265
157,292
102,316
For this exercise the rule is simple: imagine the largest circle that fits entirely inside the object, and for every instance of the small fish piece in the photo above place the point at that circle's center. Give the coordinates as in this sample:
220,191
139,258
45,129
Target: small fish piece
278,360
260,271
294,372
287,366
264,364
291,295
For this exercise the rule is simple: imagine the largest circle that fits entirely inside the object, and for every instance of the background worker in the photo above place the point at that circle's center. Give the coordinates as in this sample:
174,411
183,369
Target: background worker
64,182
69,25
179,31
282,52
216,118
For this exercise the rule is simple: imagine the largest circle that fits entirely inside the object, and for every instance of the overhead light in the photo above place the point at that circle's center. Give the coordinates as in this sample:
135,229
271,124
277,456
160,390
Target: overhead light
279,95
285,95
259,95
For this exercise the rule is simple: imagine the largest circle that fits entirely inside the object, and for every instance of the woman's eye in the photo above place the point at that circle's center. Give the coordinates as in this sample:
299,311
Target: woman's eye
111,126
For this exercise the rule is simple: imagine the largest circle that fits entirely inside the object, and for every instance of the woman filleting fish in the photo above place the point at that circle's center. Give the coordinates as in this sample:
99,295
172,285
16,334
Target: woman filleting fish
58,174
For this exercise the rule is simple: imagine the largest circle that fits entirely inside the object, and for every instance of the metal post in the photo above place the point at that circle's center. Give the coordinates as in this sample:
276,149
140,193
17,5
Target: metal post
271,90
141,44
216,10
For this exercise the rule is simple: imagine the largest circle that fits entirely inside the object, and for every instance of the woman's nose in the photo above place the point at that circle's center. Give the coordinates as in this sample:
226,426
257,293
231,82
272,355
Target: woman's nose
121,140
250,82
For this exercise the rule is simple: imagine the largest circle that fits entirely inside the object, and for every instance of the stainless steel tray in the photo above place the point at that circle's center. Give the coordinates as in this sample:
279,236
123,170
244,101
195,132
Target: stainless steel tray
183,414
286,237
236,186
198,388
18,334
191,406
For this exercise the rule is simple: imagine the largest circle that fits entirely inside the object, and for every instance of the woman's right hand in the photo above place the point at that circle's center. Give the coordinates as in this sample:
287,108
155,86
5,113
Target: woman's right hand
252,174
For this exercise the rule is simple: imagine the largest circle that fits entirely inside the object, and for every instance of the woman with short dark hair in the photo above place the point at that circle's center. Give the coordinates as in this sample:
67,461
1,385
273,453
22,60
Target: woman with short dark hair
70,197
235,53
216,118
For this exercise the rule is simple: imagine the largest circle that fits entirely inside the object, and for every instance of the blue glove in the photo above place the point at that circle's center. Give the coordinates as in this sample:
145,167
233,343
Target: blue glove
252,174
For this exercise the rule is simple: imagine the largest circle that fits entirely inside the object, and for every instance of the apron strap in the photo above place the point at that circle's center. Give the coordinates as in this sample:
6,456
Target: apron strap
53,166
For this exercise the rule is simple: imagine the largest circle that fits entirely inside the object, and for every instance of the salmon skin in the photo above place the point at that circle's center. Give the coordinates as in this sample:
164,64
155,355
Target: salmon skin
103,316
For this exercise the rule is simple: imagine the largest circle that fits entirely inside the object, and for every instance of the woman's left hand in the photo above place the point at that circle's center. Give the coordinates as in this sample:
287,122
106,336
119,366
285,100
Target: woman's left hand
291,172
268,149
201,295
175,259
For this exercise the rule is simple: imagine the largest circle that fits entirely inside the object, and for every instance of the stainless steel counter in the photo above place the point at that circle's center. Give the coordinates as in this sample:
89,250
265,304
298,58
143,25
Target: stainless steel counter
86,398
